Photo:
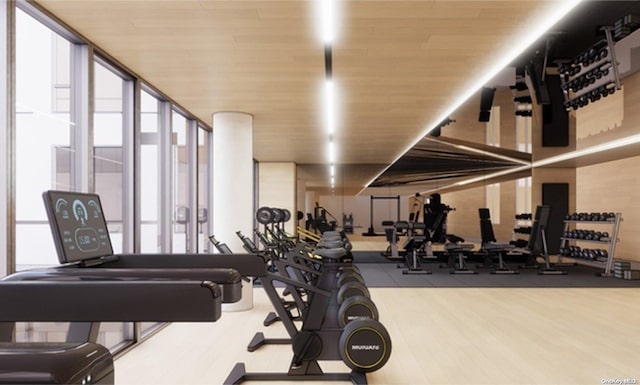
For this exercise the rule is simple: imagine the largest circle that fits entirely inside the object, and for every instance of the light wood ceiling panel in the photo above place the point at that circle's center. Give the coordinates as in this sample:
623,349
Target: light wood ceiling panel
397,64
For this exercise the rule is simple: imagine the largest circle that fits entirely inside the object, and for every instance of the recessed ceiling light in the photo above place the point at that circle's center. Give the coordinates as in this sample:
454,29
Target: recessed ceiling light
330,106
332,152
328,20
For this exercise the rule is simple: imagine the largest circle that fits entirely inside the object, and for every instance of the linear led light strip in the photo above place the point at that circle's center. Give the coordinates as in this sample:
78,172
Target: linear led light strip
328,32
561,8
491,176
486,153
612,145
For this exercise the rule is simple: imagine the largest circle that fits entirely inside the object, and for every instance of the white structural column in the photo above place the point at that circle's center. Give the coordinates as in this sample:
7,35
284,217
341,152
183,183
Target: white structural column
233,186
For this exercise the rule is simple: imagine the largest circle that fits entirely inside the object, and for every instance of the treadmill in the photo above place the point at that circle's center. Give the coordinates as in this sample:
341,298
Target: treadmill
93,285
84,247
85,302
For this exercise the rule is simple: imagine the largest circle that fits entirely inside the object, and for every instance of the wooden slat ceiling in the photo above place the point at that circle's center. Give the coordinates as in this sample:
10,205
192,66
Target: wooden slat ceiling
398,65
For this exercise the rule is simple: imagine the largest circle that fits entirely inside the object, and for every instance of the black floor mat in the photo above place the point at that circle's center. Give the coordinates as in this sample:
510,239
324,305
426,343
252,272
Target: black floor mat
387,274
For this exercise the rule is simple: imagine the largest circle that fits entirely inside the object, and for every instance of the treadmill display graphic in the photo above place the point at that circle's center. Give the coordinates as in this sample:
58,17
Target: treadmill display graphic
86,238
80,224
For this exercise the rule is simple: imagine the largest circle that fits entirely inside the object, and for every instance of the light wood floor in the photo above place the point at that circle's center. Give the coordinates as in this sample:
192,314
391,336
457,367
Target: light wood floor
440,336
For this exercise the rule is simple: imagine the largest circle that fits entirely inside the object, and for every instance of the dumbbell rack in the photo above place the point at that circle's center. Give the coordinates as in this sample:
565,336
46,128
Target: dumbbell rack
520,223
606,69
610,242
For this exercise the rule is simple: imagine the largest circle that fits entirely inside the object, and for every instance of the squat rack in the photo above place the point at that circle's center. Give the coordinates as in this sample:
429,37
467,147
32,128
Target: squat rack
371,231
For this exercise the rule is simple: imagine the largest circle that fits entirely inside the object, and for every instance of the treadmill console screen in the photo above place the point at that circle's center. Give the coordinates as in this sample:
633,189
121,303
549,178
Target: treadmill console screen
78,225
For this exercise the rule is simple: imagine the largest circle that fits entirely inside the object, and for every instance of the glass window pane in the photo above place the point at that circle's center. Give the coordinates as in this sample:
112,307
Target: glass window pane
108,134
149,204
180,157
41,331
43,133
114,334
203,190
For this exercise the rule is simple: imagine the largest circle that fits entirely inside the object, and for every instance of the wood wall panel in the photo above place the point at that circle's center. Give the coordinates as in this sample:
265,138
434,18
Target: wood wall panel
605,126
614,186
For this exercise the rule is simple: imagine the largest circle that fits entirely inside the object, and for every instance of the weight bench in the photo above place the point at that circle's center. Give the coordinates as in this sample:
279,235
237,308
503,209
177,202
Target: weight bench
489,245
537,246
413,244
456,249
392,232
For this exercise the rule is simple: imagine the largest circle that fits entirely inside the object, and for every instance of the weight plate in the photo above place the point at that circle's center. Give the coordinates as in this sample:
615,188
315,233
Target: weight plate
277,215
365,345
355,308
351,276
264,215
351,289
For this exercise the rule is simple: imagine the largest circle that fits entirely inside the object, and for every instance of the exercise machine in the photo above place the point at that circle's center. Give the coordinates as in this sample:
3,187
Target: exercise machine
83,246
415,242
537,246
457,250
490,247
334,319
318,222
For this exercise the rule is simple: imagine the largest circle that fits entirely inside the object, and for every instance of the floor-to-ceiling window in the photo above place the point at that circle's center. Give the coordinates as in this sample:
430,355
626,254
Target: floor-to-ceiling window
523,143
492,191
108,179
43,158
203,190
43,135
180,179
108,123
149,166
82,125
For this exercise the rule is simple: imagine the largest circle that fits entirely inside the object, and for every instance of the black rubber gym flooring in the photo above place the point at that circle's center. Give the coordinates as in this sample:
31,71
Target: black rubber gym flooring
381,272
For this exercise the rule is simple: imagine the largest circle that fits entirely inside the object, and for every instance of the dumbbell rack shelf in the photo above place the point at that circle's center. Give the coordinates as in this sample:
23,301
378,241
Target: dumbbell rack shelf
610,242
611,80
519,224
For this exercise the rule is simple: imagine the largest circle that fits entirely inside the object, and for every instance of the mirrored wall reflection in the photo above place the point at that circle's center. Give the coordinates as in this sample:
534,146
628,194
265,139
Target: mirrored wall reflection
43,135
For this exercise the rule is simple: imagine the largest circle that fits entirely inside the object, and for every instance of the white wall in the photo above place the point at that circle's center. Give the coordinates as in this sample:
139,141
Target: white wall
277,188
